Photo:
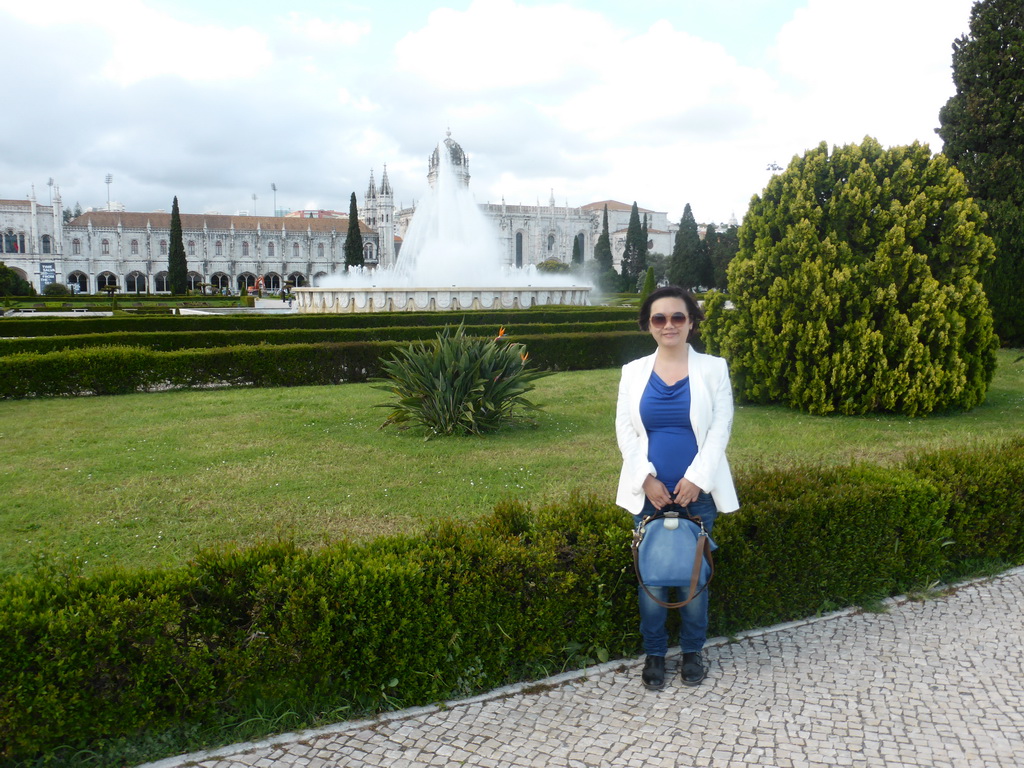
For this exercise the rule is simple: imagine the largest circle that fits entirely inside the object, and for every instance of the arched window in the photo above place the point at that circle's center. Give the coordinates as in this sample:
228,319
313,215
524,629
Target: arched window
104,279
296,279
519,249
105,246
160,282
246,280
46,243
191,247
78,282
551,243
163,247
76,247
245,247
270,250
194,281
135,282
135,247
220,282
295,250
320,251
218,248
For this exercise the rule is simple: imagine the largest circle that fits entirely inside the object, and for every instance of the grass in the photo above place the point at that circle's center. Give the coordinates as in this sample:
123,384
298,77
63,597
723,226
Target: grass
146,480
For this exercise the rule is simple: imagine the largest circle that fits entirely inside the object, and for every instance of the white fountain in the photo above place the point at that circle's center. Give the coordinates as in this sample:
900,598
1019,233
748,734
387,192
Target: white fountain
450,260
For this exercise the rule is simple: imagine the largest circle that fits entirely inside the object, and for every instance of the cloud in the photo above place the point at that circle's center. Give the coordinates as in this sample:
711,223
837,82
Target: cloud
141,43
622,103
882,70
322,31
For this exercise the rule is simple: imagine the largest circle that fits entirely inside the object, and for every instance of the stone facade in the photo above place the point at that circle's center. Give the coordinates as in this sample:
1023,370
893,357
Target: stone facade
31,239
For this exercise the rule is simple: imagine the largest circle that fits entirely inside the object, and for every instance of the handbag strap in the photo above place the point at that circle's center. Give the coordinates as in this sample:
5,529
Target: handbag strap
703,552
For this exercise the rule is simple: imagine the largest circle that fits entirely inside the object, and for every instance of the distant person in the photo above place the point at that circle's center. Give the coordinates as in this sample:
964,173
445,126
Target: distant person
672,422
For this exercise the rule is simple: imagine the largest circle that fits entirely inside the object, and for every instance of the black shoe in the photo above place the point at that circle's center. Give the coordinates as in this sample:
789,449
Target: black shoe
654,673
691,670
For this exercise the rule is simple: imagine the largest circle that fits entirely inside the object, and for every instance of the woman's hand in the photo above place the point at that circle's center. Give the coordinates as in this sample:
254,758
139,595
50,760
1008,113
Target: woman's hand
685,492
656,491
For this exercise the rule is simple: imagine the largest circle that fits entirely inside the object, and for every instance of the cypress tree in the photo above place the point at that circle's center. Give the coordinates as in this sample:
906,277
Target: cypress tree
683,266
354,238
603,248
649,285
983,135
177,264
634,257
705,269
722,252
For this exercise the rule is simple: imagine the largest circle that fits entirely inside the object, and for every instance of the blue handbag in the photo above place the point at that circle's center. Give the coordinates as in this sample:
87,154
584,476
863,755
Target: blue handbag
672,549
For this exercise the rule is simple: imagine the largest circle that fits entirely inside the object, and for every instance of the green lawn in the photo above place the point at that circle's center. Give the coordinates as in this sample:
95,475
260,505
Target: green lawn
142,480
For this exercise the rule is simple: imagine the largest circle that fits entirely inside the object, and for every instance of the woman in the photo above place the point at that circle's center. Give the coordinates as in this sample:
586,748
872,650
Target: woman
672,422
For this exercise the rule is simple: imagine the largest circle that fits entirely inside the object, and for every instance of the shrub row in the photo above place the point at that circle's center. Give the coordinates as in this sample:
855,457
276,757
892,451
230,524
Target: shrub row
59,326
185,339
402,621
118,370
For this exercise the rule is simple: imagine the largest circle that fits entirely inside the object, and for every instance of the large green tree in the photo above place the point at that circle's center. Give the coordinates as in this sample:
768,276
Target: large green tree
12,284
683,266
354,238
177,264
982,129
856,287
634,256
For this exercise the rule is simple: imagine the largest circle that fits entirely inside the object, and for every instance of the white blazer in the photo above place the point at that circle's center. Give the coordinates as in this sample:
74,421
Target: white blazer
711,412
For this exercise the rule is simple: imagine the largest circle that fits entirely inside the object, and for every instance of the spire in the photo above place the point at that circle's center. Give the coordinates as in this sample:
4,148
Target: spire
371,191
385,185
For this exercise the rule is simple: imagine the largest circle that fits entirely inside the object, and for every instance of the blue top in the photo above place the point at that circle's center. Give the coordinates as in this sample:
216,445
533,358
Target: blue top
665,412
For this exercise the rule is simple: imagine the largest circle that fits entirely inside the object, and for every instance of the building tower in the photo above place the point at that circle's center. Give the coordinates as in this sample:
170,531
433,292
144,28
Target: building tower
460,163
379,214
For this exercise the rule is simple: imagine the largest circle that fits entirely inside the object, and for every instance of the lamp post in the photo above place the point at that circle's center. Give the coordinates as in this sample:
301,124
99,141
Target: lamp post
109,181
254,198
273,186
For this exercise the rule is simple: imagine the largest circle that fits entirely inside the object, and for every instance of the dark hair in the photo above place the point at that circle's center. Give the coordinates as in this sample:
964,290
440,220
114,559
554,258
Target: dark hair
673,292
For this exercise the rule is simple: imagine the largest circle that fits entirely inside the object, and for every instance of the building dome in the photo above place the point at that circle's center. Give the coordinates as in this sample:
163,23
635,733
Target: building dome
460,162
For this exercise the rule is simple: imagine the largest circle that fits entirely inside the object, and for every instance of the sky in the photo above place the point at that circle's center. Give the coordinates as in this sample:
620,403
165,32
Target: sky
662,102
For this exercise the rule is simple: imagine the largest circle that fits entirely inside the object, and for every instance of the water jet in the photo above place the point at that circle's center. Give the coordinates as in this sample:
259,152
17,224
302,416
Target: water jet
450,260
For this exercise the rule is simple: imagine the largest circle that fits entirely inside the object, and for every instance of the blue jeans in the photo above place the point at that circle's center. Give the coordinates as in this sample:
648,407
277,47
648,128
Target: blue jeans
694,629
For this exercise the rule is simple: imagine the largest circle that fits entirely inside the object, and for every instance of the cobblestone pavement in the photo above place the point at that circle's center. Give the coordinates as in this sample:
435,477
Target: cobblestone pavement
936,683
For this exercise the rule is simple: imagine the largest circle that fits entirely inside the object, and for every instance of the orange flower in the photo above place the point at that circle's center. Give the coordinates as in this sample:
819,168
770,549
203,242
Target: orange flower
524,356
501,332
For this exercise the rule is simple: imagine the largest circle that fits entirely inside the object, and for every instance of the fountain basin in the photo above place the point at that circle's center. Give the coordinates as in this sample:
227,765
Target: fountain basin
430,299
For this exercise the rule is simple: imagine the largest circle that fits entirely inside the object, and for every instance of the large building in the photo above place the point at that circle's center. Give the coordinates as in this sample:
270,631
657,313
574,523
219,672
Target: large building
230,253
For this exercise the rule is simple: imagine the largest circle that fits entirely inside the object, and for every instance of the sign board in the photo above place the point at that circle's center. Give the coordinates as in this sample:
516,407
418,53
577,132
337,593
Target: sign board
47,274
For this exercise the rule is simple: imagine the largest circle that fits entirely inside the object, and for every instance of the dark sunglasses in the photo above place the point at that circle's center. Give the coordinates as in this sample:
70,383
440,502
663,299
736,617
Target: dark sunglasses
659,320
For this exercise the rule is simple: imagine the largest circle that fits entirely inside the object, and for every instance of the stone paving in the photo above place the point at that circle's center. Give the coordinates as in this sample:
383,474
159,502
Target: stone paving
937,683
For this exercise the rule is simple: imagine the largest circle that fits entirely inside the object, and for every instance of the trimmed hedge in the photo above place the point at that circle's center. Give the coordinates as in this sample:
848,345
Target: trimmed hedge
119,370
401,621
55,326
166,341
